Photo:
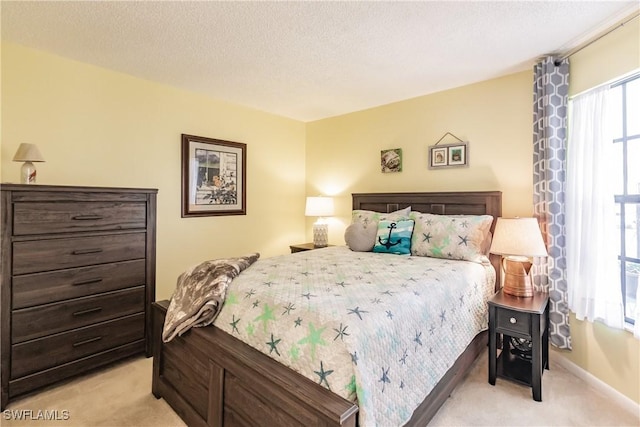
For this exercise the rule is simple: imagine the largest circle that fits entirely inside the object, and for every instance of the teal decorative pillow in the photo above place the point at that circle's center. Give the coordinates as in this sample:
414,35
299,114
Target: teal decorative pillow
394,237
365,224
462,237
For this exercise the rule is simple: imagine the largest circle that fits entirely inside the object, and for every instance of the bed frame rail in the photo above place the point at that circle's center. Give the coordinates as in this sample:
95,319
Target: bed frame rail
241,387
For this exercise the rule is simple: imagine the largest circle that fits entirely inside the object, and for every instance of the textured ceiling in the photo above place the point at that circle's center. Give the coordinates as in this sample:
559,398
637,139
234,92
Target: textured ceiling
309,60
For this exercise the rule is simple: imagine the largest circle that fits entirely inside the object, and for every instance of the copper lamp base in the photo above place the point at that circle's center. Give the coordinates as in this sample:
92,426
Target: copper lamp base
517,281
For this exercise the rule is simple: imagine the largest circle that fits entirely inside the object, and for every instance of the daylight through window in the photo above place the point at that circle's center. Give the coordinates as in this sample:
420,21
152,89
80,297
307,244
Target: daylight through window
625,103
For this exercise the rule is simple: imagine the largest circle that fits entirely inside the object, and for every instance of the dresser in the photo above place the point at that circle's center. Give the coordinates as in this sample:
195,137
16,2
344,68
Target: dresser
78,280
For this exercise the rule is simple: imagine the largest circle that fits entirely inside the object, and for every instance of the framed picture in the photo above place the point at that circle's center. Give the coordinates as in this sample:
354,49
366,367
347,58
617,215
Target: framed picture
458,155
439,156
449,155
213,177
391,160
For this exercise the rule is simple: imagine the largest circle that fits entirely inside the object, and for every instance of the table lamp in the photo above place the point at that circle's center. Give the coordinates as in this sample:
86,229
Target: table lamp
517,240
28,153
320,207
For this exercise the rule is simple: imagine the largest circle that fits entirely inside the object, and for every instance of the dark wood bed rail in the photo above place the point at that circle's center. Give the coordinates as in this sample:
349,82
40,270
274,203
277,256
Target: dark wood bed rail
186,375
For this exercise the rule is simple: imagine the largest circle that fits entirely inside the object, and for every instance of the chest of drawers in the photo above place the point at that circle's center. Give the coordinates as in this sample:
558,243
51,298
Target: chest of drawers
78,280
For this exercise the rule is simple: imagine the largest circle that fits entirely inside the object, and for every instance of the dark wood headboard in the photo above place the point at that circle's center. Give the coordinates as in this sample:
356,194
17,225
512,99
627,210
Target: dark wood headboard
446,203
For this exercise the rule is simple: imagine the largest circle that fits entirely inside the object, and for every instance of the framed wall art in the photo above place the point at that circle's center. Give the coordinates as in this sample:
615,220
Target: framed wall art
391,160
214,175
449,155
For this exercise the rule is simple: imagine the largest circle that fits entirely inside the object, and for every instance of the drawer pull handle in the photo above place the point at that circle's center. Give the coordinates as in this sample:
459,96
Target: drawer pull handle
86,251
89,311
512,320
89,341
87,282
87,217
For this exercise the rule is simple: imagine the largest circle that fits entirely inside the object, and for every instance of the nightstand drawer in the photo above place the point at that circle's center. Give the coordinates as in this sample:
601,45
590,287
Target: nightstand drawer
65,217
513,321
55,254
43,353
36,322
42,288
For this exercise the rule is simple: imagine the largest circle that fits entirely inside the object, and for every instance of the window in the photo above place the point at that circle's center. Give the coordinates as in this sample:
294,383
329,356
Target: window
625,103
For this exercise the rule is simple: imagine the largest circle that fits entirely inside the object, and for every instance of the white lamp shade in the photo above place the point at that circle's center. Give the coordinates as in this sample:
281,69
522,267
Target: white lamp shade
319,206
518,236
28,153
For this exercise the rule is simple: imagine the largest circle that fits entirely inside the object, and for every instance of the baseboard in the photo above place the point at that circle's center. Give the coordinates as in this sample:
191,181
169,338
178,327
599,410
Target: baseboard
597,383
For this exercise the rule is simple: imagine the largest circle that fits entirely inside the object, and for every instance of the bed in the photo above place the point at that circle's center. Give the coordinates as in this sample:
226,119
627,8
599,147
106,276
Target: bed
211,378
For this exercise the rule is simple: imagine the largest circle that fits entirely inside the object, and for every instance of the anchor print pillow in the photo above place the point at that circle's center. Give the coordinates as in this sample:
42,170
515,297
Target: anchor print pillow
394,237
361,234
461,237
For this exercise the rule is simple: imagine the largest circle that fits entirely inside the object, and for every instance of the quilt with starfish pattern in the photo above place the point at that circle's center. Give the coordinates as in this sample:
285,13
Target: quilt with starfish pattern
379,329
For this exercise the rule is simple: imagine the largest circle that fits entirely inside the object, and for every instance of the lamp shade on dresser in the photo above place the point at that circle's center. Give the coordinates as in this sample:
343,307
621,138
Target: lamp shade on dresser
78,280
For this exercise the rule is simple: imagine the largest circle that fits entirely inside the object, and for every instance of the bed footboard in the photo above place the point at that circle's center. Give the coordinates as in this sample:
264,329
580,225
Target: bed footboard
212,379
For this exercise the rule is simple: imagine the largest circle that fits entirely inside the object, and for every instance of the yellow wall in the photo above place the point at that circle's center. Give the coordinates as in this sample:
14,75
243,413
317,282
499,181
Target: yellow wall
611,355
495,116
97,127
612,56
102,128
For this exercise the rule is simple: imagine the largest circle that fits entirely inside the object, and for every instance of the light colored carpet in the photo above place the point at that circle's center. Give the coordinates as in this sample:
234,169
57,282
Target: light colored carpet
120,396
566,401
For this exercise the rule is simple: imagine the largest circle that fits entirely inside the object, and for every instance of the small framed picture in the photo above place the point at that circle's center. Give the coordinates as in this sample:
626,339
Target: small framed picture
449,155
214,177
439,157
458,155
391,160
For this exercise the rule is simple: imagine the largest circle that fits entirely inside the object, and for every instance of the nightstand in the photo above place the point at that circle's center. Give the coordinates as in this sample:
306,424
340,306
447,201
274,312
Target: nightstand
303,247
520,318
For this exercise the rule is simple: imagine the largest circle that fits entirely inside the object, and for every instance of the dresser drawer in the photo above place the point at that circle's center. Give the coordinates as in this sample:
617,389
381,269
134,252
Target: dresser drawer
55,254
36,322
513,321
63,217
41,288
43,353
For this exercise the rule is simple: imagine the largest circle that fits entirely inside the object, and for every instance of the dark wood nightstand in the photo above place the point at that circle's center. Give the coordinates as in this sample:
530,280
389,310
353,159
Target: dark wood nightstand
523,318
303,247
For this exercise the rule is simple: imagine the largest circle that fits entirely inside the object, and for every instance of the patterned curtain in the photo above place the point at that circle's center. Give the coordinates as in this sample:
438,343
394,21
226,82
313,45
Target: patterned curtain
551,95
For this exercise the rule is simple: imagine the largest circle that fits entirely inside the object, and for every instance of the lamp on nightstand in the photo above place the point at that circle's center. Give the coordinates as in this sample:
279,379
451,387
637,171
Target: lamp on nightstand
517,240
320,207
28,153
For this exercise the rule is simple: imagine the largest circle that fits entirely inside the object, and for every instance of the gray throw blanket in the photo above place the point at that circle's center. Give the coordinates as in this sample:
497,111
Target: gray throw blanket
200,292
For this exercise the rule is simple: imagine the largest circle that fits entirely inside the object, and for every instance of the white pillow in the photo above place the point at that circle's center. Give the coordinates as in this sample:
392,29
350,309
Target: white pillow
360,238
373,217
